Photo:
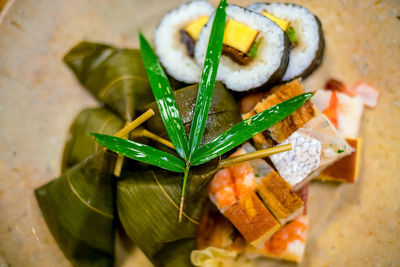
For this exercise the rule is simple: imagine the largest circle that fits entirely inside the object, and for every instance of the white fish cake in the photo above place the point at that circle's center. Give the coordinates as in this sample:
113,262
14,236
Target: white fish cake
296,164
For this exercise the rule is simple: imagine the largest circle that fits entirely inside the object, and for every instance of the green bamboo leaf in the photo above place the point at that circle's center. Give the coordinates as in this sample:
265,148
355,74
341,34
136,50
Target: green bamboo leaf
165,99
223,113
246,129
208,76
140,152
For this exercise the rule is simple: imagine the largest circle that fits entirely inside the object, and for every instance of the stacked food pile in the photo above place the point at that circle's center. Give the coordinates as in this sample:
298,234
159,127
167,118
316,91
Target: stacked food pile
264,203
242,197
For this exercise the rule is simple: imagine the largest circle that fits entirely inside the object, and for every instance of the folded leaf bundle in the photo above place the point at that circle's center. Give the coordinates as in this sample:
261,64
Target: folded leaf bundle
148,206
222,115
115,76
79,144
79,210
175,253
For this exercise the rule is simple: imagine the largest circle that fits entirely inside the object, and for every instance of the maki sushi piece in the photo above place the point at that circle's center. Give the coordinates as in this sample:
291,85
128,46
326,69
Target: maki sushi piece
304,31
255,50
175,39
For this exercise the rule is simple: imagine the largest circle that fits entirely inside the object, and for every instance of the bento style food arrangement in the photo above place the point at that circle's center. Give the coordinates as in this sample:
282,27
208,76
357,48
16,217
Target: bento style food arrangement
206,142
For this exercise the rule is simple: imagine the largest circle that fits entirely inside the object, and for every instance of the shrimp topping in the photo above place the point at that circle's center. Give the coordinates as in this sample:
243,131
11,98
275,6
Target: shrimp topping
222,188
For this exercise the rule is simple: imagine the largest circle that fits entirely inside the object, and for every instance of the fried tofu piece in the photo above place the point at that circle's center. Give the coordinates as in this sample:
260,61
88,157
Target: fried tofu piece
280,198
346,169
283,129
253,220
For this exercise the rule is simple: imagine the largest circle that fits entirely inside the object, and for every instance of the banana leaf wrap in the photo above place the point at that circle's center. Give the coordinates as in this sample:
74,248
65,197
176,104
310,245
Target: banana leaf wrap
148,207
222,115
78,208
115,76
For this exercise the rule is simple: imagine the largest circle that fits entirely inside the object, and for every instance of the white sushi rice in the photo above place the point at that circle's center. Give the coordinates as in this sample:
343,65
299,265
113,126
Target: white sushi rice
307,32
269,57
171,52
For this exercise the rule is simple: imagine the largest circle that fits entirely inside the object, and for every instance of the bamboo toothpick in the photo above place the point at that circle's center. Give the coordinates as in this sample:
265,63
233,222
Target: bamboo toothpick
132,125
118,165
120,160
124,133
255,155
150,135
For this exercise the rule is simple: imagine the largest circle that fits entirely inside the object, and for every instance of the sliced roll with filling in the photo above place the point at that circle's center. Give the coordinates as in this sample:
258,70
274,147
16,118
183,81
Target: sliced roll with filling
175,39
304,31
255,50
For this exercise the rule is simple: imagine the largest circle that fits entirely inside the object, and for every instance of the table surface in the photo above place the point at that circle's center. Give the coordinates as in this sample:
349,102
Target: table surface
351,225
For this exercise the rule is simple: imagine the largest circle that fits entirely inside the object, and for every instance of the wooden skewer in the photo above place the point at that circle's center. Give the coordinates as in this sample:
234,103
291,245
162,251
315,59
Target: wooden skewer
255,155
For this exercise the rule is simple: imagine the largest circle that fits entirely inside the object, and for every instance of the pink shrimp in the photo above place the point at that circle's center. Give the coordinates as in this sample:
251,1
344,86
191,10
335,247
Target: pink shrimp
293,232
243,176
222,188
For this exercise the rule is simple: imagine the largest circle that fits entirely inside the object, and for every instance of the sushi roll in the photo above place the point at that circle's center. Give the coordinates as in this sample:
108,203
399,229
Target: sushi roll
304,31
255,50
175,38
